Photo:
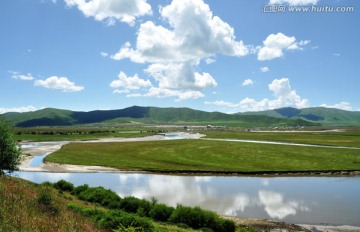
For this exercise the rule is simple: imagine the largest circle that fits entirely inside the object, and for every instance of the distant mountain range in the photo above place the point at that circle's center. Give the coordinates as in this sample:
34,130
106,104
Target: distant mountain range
322,115
186,116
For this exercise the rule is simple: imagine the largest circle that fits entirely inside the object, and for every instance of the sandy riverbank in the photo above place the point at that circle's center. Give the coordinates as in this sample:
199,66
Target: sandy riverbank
276,226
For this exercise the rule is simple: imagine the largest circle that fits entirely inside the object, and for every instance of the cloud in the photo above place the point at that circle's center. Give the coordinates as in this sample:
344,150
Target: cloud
247,82
264,69
129,83
223,103
173,52
180,76
285,96
104,54
121,91
180,94
209,60
207,36
60,83
112,10
275,45
18,110
19,76
294,2
341,105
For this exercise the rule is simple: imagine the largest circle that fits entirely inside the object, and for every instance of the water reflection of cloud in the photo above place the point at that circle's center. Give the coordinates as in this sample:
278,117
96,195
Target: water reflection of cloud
203,178
125,177
265,182
240,202
276,207
196,191
172,191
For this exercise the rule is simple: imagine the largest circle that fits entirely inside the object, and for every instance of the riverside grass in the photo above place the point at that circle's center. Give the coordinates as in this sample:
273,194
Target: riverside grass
197,156
349,138
25,206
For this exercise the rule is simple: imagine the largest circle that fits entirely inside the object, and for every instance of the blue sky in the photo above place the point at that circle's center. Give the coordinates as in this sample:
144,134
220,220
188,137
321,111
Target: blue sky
228,56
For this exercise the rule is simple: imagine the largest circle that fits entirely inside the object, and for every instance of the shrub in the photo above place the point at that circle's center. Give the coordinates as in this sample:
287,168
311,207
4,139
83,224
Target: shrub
199,218
46,202
161,212
45,199
129,229
46,184
94,214
64,186
80,189
99,195
135,205
115,219
227,225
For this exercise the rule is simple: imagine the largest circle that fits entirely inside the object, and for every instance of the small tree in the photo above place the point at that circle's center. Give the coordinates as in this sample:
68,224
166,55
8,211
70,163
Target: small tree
10,153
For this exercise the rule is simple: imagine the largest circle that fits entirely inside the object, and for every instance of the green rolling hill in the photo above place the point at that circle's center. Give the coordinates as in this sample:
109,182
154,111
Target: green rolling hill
149,115
322,115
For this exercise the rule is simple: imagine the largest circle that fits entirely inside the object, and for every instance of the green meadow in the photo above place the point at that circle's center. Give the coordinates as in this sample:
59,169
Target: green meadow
198,156
350,138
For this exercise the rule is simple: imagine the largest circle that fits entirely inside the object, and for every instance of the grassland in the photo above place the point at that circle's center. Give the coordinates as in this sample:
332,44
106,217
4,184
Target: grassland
348,138
199,156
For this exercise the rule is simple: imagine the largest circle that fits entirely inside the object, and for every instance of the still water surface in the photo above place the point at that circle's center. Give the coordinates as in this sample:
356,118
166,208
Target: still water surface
300,200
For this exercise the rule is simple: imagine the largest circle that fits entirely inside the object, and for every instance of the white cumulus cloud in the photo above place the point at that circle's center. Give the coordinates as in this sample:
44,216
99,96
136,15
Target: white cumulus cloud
180,76
342,106
275,45
112,10
284,95
206,36
163,92
174,52
60,83
18,109
294,2
129,83
181,95
247,82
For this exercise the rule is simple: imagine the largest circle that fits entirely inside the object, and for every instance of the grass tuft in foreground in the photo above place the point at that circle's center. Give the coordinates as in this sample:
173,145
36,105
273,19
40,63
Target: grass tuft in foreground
25,206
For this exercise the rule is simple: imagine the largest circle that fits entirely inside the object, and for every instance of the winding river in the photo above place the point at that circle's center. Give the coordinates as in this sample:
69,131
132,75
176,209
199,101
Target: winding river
297,200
